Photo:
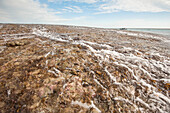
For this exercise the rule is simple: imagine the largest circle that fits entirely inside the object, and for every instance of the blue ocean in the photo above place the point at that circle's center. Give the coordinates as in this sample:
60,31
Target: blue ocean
150,30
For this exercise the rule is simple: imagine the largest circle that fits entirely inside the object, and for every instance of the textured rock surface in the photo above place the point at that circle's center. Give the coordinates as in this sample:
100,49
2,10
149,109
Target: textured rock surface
46,68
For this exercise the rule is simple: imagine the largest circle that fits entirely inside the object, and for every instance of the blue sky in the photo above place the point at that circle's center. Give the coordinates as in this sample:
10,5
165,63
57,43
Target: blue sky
95,13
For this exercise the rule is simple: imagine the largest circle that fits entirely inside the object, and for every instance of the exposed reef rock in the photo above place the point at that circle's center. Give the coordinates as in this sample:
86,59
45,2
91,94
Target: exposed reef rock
66,69
16,43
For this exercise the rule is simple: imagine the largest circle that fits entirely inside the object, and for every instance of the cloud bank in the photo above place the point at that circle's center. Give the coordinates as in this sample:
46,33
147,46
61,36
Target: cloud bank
109,6
27,11
73,9
83,12
83,1
135,6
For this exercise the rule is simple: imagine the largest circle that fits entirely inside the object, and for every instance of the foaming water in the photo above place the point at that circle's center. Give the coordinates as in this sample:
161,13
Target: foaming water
142,78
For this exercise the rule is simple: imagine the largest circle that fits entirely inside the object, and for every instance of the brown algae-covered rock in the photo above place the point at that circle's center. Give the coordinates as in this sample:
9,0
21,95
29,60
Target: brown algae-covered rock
81,70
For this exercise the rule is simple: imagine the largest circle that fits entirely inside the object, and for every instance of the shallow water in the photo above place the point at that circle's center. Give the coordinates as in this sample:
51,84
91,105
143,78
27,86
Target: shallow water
140,68
102,70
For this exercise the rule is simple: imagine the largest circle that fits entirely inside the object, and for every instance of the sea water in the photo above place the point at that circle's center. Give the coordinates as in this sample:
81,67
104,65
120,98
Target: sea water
151,30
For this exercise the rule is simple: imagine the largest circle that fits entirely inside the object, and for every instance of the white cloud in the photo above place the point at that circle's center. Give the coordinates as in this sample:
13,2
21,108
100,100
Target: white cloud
74,9
51,0
109,6
27,11
135,5
83,1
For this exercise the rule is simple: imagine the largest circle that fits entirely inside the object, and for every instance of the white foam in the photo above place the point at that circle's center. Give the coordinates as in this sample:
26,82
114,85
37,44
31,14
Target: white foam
85,105
136,65
142,102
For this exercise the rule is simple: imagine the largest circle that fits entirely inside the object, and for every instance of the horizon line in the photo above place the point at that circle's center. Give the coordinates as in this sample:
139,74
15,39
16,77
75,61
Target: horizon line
168,28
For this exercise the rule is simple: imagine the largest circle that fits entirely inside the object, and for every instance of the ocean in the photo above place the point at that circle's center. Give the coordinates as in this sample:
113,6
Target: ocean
165,32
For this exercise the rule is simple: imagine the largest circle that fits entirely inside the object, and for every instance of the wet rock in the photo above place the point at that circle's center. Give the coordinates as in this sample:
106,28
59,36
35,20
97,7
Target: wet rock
35,105
17,74
17,92
99,73
167,85
76,38
17,63
82,47
44,91
2,104
36,72
156,57
137,93
85,84
99,90
68,110
10,44
73,72
76,64
115,77
40,57
114,85
16,43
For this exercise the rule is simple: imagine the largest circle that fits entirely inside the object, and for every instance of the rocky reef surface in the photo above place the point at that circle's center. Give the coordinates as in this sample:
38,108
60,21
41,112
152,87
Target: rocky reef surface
70,69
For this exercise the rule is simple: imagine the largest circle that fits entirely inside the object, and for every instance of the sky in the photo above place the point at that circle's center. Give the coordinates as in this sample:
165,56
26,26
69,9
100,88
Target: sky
93,13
